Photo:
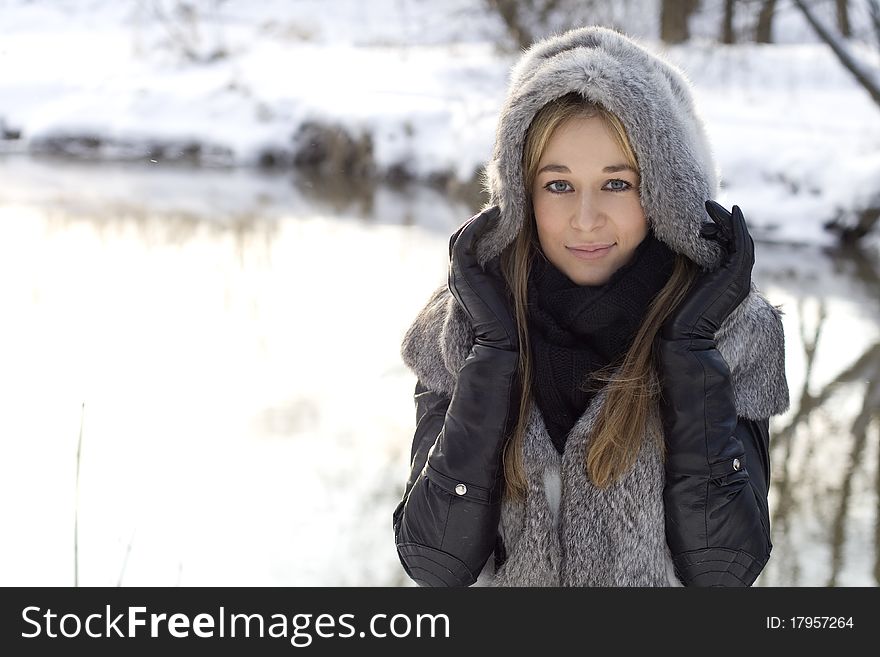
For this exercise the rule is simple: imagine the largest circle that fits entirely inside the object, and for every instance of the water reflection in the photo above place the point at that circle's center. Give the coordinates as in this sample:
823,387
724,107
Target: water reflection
234,337
236,349
824,498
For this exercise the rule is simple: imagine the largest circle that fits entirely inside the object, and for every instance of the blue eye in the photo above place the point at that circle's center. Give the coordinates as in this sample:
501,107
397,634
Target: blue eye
624,185
558,187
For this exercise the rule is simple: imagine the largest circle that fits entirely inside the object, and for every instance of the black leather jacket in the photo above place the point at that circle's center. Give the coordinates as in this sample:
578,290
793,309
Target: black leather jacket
719,538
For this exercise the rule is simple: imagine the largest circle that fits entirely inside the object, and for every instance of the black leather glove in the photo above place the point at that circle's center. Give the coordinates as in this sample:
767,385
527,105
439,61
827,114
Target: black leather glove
716,294
707,488
481,291
448,524
484,404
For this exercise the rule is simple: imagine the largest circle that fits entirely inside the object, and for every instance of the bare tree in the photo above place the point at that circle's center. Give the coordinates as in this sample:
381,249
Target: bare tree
509,10
674,16
529,20
727,35
874,10
186,24
864,78
843,18
764,28
854,224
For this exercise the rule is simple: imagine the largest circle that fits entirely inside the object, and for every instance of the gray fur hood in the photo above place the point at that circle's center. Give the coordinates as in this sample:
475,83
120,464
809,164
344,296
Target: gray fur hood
650,96
653,100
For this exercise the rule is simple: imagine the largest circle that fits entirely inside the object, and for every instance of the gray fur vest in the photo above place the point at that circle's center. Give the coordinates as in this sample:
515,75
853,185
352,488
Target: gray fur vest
569,532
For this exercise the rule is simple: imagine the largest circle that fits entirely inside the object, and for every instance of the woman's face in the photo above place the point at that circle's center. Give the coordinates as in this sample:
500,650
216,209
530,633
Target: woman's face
586,203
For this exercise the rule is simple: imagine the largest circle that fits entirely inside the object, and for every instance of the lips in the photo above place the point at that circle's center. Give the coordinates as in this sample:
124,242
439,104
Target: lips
590,251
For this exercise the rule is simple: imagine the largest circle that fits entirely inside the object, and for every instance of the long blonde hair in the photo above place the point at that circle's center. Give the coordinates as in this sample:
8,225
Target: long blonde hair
632,385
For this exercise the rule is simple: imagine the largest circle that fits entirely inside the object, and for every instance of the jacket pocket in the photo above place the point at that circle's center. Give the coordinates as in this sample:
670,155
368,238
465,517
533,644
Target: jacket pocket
764,508
733,480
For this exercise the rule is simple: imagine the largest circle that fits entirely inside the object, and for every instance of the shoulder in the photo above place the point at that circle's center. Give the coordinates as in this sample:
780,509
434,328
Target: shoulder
752,342
437,342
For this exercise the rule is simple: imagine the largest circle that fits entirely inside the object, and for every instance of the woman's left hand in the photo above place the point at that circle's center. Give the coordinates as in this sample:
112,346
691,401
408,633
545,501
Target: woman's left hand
715,294
714,525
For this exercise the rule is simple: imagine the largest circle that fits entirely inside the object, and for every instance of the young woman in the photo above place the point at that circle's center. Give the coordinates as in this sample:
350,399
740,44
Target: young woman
596,379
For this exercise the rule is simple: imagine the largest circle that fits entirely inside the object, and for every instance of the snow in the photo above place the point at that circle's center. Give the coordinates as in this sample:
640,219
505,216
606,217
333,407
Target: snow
796,139
179,303
114,82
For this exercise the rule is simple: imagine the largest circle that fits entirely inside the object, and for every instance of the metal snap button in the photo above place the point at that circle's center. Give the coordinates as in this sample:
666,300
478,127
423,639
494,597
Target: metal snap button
736,464
461,489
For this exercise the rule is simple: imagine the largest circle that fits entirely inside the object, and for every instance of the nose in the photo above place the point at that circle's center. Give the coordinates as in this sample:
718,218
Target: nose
588,214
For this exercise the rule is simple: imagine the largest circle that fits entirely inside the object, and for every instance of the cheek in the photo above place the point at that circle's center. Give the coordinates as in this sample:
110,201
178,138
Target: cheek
550,235
550,216
635,228
544,237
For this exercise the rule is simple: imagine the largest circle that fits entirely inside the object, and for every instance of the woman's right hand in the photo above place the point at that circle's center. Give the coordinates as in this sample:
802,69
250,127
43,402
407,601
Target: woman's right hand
481,292
447,526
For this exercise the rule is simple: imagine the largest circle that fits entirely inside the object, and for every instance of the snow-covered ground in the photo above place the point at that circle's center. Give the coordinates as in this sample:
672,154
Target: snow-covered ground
246,419
797,140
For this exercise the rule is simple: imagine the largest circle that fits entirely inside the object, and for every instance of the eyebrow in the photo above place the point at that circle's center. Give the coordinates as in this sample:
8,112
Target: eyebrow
561,168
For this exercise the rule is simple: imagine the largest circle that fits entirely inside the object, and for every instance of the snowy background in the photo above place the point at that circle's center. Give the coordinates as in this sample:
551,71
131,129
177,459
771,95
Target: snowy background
225,327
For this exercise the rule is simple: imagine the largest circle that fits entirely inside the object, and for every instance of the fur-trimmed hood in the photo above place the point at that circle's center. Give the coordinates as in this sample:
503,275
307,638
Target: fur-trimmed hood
653,100
650,96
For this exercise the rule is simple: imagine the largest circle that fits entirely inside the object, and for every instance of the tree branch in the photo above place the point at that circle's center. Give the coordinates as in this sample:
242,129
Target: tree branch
864,78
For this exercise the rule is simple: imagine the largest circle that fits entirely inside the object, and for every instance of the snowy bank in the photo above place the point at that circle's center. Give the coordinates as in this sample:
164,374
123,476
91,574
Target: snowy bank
398,91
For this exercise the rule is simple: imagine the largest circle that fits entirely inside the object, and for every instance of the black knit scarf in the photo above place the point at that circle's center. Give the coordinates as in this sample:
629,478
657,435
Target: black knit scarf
576,330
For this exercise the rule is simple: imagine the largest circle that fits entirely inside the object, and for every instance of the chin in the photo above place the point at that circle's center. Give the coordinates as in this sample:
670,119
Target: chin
589,278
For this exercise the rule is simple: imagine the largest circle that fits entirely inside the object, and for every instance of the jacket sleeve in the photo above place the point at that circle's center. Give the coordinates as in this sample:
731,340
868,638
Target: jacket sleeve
717,473
718,528
446,525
